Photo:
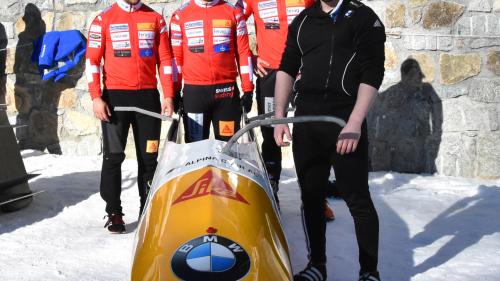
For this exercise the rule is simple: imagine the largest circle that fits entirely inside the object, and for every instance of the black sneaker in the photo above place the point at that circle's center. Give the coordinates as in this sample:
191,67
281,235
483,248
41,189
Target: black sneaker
369,276
115,223
311,273
275,187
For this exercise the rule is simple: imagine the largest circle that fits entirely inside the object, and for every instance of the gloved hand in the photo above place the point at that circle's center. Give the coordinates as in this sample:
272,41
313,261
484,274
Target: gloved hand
246,101
177,102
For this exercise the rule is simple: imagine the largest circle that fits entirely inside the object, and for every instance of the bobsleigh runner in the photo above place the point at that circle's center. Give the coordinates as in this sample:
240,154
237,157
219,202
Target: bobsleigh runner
210,213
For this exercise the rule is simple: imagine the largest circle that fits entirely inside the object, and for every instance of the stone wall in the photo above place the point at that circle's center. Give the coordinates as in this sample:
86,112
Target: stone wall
449,122
441,113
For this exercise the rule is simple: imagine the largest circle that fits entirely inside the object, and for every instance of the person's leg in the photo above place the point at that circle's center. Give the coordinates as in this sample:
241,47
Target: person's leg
197,102
351,171
114,140
226,111
146,131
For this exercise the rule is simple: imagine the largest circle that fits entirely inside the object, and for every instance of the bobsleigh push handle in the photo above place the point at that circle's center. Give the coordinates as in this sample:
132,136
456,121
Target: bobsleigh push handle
143,111
274,121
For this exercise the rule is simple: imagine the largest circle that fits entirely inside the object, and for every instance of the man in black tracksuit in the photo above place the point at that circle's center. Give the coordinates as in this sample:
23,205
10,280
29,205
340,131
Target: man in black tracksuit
338,48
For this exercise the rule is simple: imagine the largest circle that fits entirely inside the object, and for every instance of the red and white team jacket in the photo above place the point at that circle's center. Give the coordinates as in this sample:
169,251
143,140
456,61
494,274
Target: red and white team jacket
133,40
208,40
272,18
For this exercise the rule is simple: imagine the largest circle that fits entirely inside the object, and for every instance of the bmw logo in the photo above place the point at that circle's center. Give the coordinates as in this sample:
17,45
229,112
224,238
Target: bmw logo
210,257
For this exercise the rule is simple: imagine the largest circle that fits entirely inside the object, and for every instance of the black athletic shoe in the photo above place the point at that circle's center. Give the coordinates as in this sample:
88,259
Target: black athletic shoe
369,276
275,187
115,223
311,273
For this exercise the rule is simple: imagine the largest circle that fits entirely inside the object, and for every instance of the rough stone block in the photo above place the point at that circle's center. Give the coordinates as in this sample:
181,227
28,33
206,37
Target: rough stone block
483,42
74,2
480,5
450,92
464,26
445,43
80,124
418,3
496,6
70,20
442,14
457,154
391,58
48,18
485,90
83,146
67,99
488,155
493,61
395,15
464,114
426,65
456,68
478,24
416,16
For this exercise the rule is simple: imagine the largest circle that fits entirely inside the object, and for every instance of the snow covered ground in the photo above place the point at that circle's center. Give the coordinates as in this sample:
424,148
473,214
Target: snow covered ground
432,227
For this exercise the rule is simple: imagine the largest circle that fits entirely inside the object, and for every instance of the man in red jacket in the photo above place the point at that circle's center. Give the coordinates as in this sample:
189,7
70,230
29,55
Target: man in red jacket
133,41
272,18
209,40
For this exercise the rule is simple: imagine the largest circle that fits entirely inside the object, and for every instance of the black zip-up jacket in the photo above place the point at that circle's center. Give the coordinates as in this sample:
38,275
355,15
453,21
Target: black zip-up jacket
334,58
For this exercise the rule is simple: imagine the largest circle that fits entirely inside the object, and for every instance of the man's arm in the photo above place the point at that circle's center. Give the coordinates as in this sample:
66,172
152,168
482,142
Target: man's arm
243,53
95,50
165,67
176,43
369,46
289,68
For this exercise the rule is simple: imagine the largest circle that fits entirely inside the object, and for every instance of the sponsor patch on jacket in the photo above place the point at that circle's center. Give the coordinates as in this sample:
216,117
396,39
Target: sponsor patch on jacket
95,28
195,32
120,36
197,49
241,24
95,36
221,31
293,11
272,25
176,35
267,4
220,40
242,31
221,23
193,24
94,44
175,27
121,45
271,20
289,3
118,27
146,35
226,92
146,26
146,52
268,13
122,53
152,146
221,48
176,42
226,128
196,41
146,44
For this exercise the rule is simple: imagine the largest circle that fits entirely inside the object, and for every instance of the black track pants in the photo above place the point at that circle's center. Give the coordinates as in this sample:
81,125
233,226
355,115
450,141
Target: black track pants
217,104
271,153
146,132
314,151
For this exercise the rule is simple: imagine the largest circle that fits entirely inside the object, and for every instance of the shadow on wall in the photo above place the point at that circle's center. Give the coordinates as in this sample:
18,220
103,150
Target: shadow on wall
37,100
405,125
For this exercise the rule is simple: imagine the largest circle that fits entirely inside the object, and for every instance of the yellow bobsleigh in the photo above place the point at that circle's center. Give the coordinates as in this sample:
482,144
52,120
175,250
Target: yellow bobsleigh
211,215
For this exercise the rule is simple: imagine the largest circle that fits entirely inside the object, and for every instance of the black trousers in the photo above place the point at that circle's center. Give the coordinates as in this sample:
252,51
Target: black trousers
146,132
271,153
314,151
205,104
